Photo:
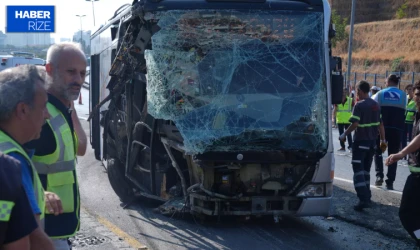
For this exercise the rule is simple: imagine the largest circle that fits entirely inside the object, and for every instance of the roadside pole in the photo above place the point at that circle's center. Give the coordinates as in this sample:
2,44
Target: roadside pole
353,9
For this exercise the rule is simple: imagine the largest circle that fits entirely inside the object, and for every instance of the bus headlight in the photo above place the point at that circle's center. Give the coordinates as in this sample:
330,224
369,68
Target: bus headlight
312,190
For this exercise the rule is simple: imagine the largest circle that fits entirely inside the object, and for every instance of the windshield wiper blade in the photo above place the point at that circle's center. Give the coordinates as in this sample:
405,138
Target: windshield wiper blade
246,1
310,2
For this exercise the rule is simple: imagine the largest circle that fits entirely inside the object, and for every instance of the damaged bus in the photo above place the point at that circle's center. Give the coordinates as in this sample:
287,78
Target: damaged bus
217,107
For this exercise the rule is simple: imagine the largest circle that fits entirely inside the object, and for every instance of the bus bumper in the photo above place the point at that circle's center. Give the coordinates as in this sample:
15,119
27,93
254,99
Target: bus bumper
319,206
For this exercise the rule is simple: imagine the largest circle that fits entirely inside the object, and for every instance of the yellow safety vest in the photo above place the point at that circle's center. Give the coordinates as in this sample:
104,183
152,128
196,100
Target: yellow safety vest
410,112
414,169
7,146
60,171
6,210
344,112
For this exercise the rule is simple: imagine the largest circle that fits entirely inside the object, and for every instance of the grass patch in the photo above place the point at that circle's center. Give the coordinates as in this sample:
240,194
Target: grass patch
396,63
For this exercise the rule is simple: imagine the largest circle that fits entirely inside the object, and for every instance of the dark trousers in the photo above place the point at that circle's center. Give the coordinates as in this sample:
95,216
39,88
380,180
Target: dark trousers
393,137
379,164
409,209
341,129
406,135
362,157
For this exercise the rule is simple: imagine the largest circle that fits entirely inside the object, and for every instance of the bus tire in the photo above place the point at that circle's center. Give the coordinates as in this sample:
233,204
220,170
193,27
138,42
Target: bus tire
121,186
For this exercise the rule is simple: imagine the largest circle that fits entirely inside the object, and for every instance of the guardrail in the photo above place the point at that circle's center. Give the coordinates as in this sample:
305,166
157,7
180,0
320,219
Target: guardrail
379,79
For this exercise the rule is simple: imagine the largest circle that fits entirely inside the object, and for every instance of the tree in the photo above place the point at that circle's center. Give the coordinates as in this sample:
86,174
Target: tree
401,12
340,28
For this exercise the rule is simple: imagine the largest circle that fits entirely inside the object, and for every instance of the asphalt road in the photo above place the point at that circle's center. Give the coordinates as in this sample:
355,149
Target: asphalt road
346,229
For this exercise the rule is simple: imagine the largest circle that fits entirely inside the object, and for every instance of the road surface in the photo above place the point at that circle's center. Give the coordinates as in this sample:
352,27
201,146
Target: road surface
138,226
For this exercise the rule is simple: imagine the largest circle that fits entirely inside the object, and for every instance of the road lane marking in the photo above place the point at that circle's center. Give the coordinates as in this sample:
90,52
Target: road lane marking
375,187
119,232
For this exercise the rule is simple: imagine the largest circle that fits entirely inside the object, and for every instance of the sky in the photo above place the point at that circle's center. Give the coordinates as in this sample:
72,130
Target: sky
66,21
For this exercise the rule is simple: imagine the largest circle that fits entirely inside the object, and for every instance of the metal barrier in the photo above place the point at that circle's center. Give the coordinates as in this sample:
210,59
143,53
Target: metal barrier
379,79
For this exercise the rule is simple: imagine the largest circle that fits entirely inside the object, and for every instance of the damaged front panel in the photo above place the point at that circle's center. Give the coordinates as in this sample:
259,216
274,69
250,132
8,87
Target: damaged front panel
238,81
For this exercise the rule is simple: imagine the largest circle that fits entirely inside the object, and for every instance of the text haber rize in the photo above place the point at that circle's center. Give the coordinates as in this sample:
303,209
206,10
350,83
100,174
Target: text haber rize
37,24
32,14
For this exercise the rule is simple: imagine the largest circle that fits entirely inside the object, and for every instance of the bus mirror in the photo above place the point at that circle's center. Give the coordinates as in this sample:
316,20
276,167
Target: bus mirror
337,81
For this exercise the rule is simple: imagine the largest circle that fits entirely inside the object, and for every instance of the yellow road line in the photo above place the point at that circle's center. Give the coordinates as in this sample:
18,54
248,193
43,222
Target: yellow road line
116,230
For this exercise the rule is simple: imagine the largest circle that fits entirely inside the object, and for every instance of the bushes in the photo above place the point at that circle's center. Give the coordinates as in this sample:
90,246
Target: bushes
401,11
340,28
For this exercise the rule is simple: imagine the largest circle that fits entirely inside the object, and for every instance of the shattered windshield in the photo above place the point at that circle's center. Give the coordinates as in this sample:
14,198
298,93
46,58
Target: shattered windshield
238,81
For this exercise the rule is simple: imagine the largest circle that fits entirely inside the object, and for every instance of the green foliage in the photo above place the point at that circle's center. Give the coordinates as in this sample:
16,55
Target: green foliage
396,63
340,28
401,11
367,63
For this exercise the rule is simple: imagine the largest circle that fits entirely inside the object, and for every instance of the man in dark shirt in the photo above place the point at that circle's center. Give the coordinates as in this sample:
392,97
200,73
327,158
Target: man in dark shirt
410,202
16,218
366,121
393,103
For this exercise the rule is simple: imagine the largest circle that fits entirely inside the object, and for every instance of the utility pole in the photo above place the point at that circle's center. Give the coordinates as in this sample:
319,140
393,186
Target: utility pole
353,10
81,42
93,10
81,31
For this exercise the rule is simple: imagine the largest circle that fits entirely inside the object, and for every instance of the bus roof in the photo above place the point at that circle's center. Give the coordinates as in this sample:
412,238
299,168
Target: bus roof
125,11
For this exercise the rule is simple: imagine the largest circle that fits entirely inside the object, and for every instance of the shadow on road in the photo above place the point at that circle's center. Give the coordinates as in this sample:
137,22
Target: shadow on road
290,232
196,233
382,217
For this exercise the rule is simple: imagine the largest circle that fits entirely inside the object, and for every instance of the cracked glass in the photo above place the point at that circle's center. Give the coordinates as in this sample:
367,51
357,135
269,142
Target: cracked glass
240,80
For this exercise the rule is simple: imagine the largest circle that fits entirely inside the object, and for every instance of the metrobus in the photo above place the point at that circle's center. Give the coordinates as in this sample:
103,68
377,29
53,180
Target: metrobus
221,105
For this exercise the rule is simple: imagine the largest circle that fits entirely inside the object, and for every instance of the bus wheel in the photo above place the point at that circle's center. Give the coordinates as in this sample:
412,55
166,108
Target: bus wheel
119,183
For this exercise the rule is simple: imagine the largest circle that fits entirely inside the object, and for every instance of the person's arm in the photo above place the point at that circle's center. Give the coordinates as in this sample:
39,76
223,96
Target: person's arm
21,244
334,113
382,131
38,238
351,128
413,146
27,182
22,223
81,135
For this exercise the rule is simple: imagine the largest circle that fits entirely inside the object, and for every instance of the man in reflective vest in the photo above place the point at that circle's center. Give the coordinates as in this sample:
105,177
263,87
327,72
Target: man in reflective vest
342,113
22,114
17,220
409,116
410,201
62,139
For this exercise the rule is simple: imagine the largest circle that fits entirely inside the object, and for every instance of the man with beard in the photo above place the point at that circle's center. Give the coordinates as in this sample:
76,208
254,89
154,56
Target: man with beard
62,139
409,209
